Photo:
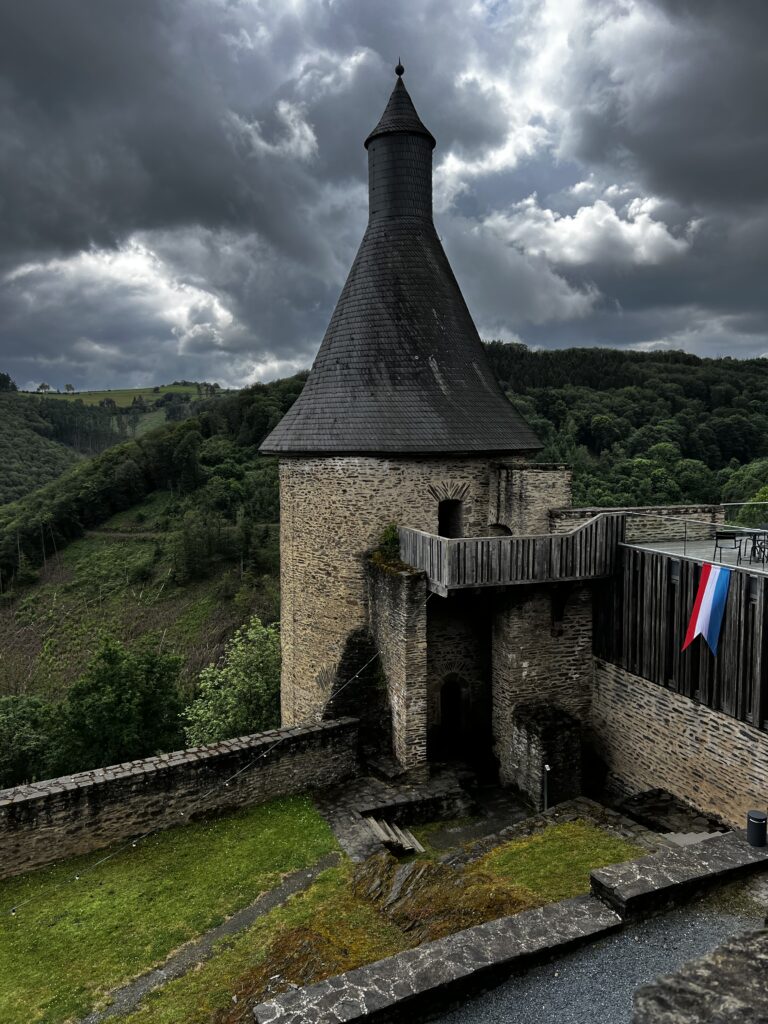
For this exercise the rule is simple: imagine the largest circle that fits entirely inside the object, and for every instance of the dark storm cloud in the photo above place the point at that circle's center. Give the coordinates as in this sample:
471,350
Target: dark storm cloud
182,184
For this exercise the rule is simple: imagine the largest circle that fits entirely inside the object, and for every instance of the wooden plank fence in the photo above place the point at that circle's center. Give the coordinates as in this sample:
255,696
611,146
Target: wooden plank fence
640,621
588,552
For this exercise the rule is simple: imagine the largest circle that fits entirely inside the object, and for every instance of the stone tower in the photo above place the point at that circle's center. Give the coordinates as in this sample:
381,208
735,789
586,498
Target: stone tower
401,419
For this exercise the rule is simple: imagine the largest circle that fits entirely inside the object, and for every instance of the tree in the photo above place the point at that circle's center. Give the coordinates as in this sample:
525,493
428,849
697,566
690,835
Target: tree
69,388
125,706
242,694
25,739
6,384
44,388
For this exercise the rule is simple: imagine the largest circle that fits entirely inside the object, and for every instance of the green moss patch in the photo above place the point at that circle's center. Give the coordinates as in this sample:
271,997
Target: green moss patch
555,864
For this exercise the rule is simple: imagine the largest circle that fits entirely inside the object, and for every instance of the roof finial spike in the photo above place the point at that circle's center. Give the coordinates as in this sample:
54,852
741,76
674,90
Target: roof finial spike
399,69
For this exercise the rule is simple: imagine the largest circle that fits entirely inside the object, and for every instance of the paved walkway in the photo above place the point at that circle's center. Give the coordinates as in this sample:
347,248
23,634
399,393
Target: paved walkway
187,957
594,985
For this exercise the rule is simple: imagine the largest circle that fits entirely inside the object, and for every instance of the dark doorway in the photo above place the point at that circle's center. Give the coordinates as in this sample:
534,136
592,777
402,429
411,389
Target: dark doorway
462,734
449,518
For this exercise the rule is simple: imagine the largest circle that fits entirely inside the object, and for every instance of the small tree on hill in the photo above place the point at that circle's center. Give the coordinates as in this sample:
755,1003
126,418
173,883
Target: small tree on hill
69,388
125,706
6,384
242,694
44,388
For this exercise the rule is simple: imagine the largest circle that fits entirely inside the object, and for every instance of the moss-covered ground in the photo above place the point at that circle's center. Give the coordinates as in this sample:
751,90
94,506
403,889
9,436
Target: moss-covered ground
332,927
75,940
554,864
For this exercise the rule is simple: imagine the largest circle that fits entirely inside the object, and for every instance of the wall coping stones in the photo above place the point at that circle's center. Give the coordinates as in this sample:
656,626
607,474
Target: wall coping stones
644,885
726,985
80,781
440,972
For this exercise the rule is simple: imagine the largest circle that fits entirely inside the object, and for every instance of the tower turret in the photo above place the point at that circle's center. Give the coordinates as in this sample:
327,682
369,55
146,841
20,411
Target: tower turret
401,367
399,422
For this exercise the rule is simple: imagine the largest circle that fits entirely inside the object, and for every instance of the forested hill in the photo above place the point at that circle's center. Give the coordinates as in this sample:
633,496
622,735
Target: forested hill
41,437
642,428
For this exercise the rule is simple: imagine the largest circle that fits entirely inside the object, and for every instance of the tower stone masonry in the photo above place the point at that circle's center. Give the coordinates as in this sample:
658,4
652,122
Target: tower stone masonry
401,421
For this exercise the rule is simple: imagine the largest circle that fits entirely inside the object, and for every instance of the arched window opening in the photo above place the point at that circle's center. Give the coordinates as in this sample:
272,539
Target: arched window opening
449,518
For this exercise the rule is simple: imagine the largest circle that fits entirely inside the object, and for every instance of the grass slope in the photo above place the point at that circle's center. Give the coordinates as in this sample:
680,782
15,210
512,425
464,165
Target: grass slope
123,397
61,953
28,459
116,580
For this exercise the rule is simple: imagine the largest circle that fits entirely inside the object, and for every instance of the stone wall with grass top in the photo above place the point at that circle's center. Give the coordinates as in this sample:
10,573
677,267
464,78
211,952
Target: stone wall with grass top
47,821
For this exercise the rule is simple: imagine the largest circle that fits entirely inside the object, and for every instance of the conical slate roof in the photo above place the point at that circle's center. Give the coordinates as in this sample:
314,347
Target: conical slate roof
401,368
400,116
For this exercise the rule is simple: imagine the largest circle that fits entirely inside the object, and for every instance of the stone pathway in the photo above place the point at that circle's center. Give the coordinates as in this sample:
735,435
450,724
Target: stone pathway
595,984
127,998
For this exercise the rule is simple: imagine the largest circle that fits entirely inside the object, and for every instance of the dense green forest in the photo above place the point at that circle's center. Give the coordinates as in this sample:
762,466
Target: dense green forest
644,428
130,572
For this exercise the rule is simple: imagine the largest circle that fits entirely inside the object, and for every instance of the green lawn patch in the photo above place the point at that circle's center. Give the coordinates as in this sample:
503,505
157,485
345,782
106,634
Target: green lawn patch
62,952
555,864
316,934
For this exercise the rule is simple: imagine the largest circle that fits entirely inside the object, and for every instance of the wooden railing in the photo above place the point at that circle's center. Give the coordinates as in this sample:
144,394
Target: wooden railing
587,552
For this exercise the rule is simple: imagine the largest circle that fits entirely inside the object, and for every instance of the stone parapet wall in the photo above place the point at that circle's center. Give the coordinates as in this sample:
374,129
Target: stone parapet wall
48,821
542,652
521,497
398,618
650,737
648,523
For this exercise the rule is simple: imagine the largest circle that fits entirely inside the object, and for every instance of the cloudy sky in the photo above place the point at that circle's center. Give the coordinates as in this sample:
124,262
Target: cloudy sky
182,182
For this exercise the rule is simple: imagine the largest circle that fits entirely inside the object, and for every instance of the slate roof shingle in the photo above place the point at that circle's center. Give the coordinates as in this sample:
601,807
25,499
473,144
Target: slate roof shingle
401,368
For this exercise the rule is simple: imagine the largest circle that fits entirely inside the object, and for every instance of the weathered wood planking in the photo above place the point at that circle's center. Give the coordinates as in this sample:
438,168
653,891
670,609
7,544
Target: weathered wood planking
641,619
588,552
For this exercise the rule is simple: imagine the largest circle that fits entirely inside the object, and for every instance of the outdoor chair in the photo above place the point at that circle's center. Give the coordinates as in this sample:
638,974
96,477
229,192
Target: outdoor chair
727,540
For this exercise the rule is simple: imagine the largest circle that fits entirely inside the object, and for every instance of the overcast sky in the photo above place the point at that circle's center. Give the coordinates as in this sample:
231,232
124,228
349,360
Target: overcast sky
182,182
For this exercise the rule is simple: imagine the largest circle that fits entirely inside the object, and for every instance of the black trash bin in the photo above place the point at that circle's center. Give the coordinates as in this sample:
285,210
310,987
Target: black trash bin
756,827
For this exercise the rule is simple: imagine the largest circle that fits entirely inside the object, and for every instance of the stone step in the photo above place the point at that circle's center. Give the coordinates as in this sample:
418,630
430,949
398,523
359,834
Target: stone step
663,878
689,838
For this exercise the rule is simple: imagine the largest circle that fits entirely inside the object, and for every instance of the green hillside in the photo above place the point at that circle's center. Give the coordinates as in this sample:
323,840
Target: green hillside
28,457
168,540
126,397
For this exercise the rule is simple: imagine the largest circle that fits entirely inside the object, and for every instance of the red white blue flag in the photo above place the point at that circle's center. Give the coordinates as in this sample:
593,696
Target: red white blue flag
709,606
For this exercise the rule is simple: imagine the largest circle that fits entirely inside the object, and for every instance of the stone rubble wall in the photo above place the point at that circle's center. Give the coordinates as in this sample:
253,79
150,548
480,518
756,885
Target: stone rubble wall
545,748
48,821
651,737
648,523
538,660
332,511
398,617
522,496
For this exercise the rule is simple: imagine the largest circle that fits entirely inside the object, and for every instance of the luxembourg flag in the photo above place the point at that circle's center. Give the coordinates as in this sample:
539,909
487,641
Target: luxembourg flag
709,606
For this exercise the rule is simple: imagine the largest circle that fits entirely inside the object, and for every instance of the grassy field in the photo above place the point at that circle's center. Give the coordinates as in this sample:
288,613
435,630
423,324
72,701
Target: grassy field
62,952
117,580
329,929
318,933
123,396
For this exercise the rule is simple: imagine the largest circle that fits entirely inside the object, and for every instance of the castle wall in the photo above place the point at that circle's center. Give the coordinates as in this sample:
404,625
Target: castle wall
398,618
522,497
536,659
47,821
648,523
651,737
333,510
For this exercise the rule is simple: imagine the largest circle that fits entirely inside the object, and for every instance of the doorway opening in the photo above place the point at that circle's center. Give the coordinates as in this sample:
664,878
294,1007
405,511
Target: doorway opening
450,518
